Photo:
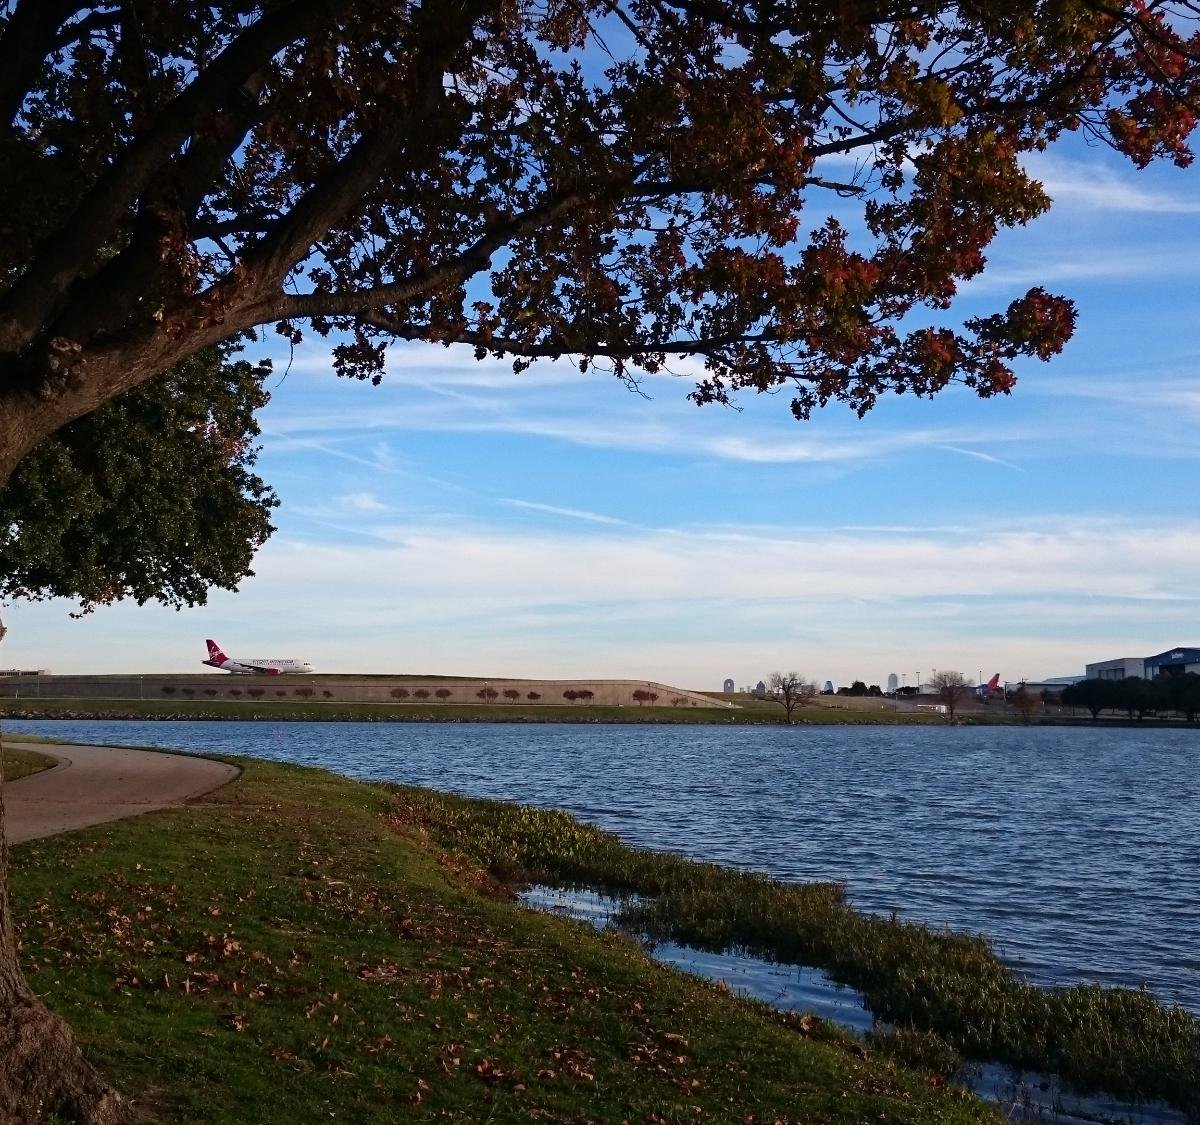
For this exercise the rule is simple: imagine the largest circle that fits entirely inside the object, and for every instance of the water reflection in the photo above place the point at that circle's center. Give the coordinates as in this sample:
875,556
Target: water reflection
1021,1095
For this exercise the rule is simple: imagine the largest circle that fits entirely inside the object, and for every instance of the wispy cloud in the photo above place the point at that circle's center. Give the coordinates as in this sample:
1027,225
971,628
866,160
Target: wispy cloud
986,457
1099,186
570,513
618,426
1073,264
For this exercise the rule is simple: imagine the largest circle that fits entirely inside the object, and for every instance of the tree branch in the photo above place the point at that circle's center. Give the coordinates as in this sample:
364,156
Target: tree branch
28,38
441,37
703,345
81,29
471,261
71,251
134,277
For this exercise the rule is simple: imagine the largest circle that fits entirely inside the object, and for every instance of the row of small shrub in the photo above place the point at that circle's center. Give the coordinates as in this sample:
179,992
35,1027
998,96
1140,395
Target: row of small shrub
254,692
490,695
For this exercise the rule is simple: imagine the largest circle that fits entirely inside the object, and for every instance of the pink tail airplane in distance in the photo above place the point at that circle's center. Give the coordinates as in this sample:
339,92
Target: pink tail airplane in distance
259,666
990,689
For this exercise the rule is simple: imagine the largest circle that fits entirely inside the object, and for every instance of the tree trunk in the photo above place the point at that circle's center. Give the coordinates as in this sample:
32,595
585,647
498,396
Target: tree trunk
41,1068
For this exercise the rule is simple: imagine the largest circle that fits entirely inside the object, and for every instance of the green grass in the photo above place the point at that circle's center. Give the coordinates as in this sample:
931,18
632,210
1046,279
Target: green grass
313,711
295,949
940,985
21,763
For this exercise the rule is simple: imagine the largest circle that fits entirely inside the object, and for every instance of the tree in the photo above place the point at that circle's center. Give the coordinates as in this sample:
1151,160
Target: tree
1026,704
1184,694
443,693
168,689
236,692
640,696
533,696
166,189
176,173
306,692
152,497
421,694
790,690
512,695
1094,695
1135,696
570,695
255,692
487,694
399,693
187,691
951,688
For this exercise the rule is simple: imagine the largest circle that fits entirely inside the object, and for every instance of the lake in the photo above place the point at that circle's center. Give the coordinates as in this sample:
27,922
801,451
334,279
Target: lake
1076,851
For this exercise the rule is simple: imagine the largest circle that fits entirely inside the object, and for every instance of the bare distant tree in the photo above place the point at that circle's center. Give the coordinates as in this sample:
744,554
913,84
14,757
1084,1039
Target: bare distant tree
951,688
790,690
1026,704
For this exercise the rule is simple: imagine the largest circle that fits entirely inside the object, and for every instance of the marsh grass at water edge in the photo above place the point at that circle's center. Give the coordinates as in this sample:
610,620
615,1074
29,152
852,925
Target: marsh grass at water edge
946,993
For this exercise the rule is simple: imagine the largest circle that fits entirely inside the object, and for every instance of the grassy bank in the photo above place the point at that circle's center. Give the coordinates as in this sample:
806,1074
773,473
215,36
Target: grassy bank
940,984
21,763
296,949
309,711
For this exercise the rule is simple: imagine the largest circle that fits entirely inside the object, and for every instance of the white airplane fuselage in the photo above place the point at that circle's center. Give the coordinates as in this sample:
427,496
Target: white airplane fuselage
256,666
262,667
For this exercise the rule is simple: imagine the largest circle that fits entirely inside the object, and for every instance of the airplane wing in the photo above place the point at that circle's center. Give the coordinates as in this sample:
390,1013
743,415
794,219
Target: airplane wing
262,668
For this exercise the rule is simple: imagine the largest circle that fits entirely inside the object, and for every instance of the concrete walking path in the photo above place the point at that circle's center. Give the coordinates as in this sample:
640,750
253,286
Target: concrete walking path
95,784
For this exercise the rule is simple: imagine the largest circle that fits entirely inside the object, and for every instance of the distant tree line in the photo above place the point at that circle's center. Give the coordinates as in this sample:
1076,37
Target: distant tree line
859,688
1137,697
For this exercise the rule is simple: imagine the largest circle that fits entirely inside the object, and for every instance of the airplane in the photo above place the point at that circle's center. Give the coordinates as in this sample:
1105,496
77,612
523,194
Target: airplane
258,666
990,689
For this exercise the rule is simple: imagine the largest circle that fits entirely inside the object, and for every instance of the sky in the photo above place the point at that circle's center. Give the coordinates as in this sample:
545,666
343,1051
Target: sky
462,520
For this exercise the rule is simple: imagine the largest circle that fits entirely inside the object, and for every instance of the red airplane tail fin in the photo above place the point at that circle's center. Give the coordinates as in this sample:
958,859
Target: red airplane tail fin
214,652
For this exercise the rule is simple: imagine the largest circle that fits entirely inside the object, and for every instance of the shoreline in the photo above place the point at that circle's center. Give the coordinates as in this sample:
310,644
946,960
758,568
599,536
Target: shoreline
100,710
943,996
295,947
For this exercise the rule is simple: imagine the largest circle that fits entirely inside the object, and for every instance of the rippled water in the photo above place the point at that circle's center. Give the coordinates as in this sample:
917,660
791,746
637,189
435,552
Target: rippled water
1076,851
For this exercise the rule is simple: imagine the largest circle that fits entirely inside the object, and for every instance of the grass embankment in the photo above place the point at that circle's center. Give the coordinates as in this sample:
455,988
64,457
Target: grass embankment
296,950
332,711
21,763
951,987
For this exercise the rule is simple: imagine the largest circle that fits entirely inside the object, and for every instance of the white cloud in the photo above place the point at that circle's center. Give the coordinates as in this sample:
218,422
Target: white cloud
361,502
667,428
1072,263
570,513
985,457
1099,186
685,606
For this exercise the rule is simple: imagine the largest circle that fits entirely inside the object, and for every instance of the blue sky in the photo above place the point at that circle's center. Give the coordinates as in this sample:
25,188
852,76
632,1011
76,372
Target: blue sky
461,519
